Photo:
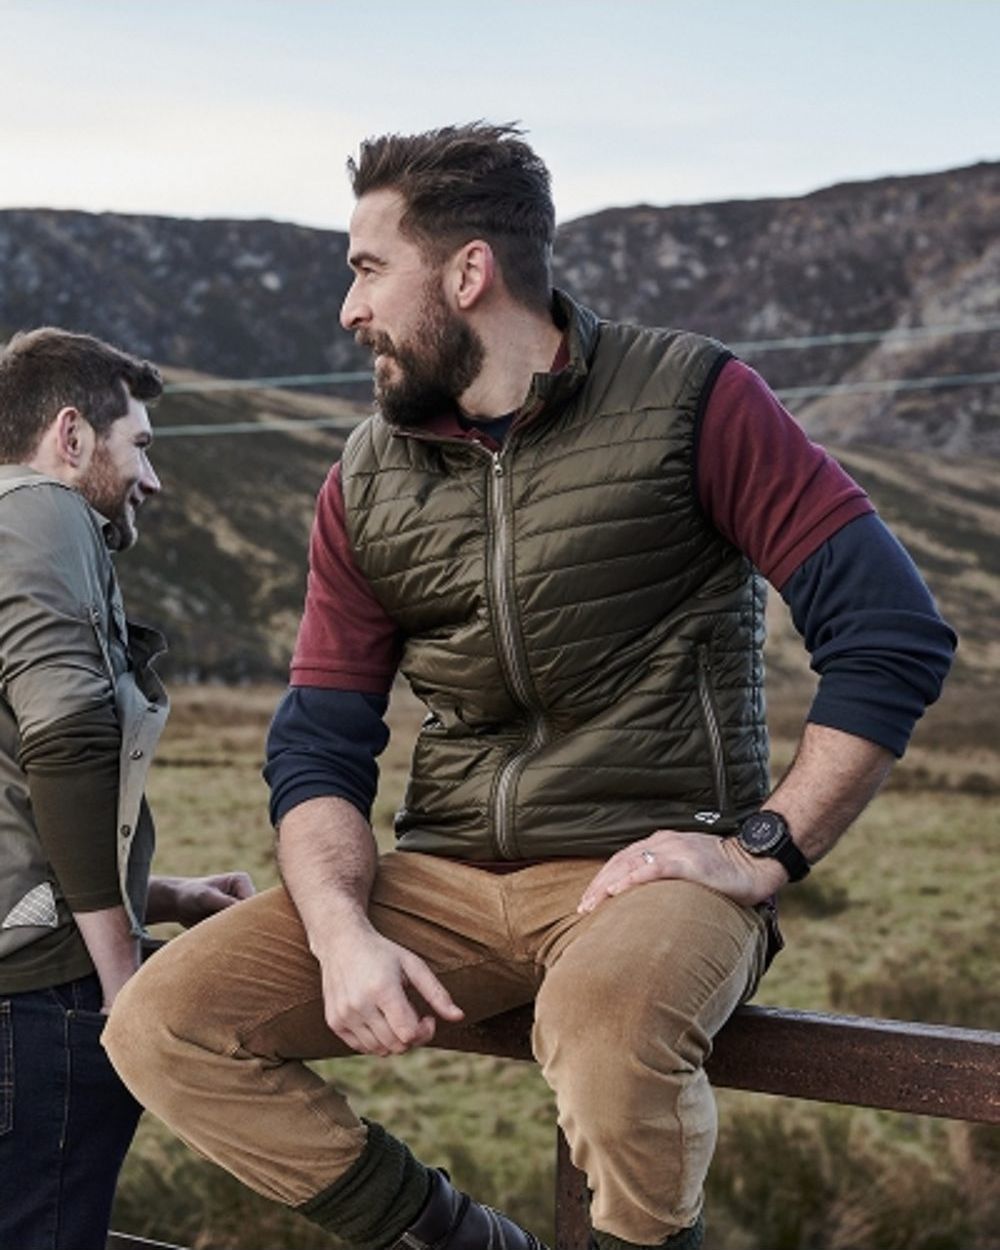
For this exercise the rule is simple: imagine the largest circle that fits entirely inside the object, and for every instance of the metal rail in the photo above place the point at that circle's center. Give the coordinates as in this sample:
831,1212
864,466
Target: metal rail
894,1065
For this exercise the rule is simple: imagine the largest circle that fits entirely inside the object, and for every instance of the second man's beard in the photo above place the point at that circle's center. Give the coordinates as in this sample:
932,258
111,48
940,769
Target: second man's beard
107,494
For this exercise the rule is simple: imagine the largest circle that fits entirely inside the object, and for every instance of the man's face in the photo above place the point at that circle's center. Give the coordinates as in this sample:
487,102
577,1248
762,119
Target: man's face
426,355
119,477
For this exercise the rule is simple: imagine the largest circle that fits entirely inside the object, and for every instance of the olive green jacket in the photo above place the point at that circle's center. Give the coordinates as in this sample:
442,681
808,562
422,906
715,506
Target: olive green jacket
588,645
65,646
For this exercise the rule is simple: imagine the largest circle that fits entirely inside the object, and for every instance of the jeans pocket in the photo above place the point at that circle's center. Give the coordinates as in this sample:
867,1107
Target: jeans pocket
6,1069
89,1021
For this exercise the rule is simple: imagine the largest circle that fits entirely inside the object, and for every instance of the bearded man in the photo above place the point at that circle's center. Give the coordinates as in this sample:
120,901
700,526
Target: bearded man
552,526
81,710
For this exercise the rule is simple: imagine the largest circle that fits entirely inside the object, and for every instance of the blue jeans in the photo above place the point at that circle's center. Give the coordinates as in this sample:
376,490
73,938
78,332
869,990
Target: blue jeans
66,1120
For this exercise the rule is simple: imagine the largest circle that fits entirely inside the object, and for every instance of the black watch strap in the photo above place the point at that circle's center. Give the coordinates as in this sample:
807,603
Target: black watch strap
765,834
792,860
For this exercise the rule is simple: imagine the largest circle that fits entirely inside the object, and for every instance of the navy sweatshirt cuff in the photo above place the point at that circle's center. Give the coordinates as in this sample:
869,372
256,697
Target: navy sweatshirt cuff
325,743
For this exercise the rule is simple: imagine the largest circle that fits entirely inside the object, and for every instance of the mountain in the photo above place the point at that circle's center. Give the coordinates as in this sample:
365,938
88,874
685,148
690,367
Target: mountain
896,253
260,298
221,564
228,298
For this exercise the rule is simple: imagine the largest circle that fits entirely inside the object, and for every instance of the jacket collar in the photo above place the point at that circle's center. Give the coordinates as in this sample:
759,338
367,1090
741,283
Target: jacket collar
13,476
580,328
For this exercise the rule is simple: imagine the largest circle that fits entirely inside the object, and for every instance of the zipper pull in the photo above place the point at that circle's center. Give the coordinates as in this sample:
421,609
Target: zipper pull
497,465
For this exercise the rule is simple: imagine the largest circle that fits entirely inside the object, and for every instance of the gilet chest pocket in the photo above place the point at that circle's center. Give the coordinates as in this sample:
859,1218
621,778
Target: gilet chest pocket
6,1069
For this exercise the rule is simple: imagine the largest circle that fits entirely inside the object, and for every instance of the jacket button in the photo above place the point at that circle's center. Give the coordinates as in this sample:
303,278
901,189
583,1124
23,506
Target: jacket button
135,754
125,831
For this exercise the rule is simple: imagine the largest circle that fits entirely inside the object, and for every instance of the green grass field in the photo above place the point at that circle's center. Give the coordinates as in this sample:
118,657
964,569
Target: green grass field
900,921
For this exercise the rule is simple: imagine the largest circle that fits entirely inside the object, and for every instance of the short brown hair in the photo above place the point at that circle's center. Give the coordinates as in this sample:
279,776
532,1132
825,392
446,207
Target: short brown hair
45,370
465,182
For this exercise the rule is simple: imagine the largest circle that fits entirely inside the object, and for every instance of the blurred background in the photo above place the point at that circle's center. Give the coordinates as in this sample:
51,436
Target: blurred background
818,185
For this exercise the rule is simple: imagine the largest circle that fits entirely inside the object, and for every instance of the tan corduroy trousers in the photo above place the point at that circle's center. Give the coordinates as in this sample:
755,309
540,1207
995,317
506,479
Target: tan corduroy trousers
211,1034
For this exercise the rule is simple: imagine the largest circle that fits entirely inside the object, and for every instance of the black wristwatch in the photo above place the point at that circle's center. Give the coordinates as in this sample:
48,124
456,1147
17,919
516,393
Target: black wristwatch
765,834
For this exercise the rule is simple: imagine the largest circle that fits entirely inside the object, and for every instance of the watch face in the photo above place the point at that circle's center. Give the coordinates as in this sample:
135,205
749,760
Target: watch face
761,832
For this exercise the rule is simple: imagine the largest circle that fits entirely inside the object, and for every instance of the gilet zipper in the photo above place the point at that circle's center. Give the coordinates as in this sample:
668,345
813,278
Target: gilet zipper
710,715
512,659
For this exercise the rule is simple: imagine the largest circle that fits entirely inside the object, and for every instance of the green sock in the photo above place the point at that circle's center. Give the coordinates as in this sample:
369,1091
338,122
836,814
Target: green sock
378,1197
687,1239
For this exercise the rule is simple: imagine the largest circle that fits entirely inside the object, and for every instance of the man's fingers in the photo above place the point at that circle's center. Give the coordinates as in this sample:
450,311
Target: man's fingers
377,1005
415,1031
408,1028
597,887
388,1025
431,990
241,885
219,900
366,1031
361,1039
625,869
236,885
639,875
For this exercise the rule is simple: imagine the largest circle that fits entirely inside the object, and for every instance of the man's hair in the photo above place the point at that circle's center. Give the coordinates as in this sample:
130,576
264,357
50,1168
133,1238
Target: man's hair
45,370
476,181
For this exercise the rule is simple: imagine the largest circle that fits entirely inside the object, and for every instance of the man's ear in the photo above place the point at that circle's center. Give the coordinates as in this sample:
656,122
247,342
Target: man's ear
472,273
72,437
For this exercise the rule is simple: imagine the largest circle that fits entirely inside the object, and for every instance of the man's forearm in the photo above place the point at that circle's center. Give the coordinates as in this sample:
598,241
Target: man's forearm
113,950
328,857
832,779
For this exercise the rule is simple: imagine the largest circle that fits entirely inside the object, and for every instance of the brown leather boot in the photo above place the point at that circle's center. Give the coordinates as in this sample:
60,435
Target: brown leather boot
451,1220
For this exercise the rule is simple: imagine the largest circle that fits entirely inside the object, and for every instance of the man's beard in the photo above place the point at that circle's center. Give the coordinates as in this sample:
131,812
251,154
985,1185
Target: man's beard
438,364
104,490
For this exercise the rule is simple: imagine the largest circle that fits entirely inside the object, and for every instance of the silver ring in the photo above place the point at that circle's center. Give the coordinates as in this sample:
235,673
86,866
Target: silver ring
648,857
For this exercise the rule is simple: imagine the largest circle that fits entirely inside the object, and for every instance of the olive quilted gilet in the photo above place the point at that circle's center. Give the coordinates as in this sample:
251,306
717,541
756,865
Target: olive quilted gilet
588,646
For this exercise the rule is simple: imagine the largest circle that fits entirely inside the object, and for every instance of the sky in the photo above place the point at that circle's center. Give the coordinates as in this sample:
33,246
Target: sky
221,109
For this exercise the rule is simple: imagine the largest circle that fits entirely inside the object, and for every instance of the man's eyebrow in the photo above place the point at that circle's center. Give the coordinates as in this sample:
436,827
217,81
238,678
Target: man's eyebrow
364,258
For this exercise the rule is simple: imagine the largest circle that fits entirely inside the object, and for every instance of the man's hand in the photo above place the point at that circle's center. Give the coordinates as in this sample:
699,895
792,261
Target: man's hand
379,997
377,994
719,863
187,900
833,776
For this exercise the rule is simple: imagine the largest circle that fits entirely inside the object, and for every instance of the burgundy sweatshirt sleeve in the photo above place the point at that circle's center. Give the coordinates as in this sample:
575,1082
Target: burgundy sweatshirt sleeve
763,484
873,632
346,639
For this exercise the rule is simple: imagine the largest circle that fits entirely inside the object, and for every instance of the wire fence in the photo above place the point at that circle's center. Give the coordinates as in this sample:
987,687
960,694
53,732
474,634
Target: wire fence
894,336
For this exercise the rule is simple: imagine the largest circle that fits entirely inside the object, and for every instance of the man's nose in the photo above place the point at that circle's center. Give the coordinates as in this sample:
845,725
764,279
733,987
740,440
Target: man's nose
149,482
354,311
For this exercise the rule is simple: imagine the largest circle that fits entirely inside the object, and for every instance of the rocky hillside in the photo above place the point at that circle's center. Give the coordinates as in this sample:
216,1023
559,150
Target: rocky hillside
252,298
896,254
221,564
222,558
229,298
